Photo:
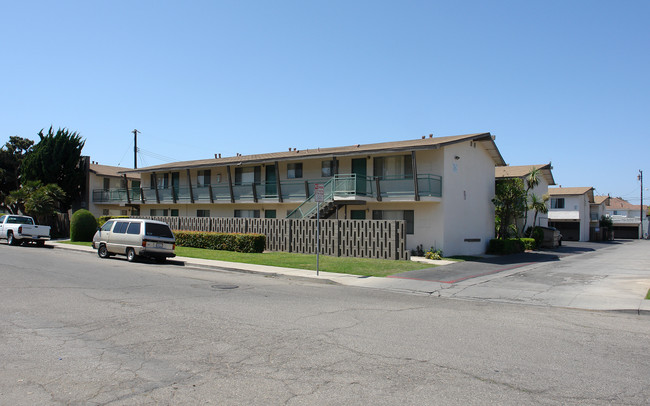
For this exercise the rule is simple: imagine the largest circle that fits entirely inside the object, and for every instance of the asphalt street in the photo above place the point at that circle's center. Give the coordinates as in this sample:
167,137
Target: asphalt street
75,329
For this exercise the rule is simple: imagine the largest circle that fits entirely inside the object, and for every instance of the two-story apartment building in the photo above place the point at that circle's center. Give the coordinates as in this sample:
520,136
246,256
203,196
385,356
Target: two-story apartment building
441,186
106,190
545,180
626,217
570,212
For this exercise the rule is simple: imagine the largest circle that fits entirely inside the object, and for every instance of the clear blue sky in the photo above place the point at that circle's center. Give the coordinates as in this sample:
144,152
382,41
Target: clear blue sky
561,81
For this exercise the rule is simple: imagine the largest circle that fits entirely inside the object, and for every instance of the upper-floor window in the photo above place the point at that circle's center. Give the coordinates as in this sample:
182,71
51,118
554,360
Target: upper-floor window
294,171
557,203
159,180
107,183
399,166
248,175
203,178
327,169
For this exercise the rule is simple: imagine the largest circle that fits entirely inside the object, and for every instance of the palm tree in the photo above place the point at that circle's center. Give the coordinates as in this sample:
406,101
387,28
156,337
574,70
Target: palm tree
539,205
532,180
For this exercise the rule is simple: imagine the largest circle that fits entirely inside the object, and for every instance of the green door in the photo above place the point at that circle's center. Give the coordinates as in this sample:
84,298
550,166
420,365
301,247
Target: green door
271,187
359,169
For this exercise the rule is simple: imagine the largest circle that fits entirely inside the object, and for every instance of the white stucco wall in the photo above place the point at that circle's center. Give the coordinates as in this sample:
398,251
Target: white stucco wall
468,189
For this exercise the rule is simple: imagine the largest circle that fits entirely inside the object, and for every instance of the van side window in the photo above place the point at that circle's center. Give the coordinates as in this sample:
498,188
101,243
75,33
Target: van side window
107,226
120,227
134,228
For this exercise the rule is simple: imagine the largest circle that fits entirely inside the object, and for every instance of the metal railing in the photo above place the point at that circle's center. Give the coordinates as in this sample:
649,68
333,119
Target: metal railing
345,186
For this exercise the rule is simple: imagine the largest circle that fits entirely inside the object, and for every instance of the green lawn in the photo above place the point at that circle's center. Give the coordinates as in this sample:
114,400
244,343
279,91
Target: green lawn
647,296
355,266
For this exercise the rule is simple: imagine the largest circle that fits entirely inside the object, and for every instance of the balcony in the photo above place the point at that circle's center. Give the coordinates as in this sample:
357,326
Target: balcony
349,187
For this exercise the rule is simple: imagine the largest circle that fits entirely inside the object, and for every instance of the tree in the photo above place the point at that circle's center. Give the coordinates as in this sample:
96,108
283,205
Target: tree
509,203
539,205
532,180
11,157
57,159
35,200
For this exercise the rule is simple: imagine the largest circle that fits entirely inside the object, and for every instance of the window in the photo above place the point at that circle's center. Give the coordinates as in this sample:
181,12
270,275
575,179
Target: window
105,212
294,171
120,227
174,212
615,212
203,178
407,215
157,230
327,169
134,228
159,180
203,213
158,212
124,213
269,214
247,213
557,203
107,183
107,226
594,216
357,214
400,166
248,175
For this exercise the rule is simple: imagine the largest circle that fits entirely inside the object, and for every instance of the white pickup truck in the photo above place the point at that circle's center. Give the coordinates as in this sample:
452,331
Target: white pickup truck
21,229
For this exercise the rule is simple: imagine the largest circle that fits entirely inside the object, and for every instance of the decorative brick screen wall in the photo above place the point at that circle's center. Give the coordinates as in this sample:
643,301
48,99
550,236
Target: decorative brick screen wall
384,239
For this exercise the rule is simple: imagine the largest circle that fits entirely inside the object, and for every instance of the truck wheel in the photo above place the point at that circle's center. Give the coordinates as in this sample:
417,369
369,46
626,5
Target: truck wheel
40,243
11,240
102,251
130,254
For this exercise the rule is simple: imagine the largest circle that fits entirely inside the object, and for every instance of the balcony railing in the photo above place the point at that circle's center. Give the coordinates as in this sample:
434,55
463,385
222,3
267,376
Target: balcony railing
347,186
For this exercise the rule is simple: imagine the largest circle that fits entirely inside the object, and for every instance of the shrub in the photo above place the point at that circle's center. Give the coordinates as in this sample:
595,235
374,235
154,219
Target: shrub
433,254
82,226
537,233
506,246
529,243
250,243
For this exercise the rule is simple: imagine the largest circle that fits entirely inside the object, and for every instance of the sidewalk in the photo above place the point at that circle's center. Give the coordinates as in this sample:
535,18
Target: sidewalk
428,282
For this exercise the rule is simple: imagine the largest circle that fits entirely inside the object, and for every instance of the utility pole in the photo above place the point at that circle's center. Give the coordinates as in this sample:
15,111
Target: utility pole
640,177
135,148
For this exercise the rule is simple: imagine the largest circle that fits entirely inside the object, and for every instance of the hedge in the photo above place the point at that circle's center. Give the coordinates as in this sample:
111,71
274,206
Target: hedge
510,245
103,219
250,243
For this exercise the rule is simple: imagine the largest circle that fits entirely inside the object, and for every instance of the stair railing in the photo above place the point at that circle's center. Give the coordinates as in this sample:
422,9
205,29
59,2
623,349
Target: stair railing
339,185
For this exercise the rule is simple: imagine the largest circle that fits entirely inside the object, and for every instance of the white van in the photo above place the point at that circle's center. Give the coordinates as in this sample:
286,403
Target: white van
134,238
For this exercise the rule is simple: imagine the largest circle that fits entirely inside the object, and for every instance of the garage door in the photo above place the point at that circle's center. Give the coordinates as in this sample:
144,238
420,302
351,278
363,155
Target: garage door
570,230
626,232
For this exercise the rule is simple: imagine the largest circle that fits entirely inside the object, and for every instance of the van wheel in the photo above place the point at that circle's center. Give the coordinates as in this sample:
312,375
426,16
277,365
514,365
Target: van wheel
130,254
102,251
11,240
40,243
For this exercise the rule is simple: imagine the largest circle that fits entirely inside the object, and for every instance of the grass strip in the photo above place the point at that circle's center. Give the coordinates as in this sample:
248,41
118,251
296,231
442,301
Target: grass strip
647,296
354,266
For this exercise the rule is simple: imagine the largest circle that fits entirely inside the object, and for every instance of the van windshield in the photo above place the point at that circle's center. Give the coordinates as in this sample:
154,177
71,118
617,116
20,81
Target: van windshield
157,230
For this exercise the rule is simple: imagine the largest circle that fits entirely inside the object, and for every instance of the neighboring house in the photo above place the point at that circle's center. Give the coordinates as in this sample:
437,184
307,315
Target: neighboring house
106,190
596,211
545,180
570,212
626,217
441,186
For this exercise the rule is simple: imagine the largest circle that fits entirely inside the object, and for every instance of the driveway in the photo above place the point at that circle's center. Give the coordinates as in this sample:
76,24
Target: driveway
595,276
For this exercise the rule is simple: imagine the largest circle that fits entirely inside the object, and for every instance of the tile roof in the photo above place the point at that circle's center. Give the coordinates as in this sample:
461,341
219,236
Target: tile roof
523,170
396,146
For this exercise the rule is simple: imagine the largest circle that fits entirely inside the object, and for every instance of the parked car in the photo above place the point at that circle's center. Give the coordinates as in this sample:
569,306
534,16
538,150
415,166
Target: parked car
552,237
22,229
135,238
